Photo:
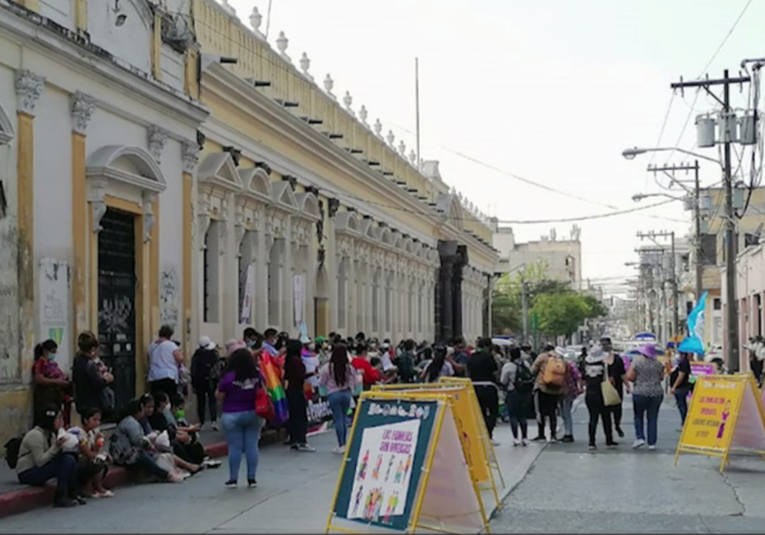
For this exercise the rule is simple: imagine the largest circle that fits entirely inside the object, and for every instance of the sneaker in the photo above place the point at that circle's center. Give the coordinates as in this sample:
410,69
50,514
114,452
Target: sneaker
495,443
540,438
65,502
80,500
552,440
612,445
516,442
305,447
251,483
568,439
230,484
215,426
340,450
652,447
639,443
212,463
525,441
592,447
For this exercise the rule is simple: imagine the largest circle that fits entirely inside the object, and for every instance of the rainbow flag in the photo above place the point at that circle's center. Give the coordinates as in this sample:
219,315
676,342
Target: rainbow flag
275,389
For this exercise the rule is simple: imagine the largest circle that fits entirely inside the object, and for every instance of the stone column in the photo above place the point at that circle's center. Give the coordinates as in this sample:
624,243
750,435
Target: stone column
82,108
457,299
29,88
288,283
190,156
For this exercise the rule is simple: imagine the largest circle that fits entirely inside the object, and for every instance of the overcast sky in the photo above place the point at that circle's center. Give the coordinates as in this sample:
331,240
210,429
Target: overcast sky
550,91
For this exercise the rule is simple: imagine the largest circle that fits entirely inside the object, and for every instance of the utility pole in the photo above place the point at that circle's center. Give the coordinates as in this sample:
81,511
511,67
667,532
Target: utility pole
731,312
673,277
699,263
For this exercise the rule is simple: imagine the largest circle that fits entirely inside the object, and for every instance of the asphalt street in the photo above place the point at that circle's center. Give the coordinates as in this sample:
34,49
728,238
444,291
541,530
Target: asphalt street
571,490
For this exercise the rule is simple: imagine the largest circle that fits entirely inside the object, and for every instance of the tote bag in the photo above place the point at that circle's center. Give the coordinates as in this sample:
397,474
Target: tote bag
610,394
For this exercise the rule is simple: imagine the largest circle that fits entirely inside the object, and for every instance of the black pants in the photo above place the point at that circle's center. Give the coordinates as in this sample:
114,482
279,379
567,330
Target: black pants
518,408
615,412
298,423
548,405
757,369
168,386
488,399
193,452
206,400
598,410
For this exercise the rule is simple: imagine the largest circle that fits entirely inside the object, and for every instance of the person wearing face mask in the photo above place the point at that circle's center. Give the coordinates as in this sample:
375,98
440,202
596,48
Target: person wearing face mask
90,383
205,358
252,338
52,386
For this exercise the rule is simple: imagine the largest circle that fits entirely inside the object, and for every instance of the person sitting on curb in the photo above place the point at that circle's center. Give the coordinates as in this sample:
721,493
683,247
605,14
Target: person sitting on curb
92,464
41,458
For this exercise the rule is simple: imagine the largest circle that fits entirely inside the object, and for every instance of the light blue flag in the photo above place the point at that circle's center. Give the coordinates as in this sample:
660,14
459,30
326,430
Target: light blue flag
694,342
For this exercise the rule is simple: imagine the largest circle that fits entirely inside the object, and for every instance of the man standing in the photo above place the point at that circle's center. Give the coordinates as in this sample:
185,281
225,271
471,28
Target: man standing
269,341
482,368
551,385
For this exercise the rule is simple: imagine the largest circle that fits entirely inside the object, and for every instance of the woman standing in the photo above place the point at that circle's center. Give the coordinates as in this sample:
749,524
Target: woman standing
680,379
518,381
339,378
90,382
295,376
202,363
438,367
237,390
594,375
52,386
617,374
646,374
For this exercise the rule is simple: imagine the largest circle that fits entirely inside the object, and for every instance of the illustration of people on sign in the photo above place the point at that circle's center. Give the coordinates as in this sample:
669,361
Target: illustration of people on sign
407,466
368,504
378,507
362,474
399,472
390,466
357,501
725,416
376,470
389,509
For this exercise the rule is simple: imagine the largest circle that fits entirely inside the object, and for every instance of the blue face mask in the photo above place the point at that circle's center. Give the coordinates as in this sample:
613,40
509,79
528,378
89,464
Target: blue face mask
250,343
51,356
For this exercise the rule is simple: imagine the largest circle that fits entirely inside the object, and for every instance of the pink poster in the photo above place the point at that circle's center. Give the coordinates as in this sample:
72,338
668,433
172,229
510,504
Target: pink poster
700,369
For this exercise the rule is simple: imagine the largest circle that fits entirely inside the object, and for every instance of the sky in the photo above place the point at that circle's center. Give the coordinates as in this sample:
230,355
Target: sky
548,91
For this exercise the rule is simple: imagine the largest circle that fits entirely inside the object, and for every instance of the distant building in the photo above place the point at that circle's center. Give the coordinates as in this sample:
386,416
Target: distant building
562,259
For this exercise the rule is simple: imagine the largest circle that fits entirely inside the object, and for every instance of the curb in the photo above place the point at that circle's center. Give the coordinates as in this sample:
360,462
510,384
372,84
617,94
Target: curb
28,498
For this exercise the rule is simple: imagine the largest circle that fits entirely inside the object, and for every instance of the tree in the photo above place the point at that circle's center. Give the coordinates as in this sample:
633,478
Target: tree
595,308
560,313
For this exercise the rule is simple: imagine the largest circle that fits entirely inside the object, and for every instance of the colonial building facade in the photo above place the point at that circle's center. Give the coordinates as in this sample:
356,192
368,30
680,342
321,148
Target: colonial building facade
307,216
99,138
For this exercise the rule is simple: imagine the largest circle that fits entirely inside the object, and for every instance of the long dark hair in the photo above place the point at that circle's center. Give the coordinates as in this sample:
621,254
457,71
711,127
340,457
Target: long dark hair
242,364
46,416
437,364
48,345
294,349
339,364
515,353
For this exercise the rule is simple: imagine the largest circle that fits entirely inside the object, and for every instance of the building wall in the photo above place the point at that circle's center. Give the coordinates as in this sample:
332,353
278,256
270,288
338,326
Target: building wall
85,138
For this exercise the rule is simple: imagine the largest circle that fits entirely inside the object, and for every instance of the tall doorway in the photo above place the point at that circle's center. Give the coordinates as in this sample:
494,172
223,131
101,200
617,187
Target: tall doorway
321,304
116,300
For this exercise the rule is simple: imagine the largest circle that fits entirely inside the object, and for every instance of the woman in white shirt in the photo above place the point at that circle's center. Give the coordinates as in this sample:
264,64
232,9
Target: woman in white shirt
164,358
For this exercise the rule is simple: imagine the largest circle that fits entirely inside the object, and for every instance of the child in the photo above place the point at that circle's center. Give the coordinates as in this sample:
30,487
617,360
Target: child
91,462
176,415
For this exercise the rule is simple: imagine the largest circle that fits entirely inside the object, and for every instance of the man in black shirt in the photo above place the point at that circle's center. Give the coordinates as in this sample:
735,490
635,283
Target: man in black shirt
680,379
482,368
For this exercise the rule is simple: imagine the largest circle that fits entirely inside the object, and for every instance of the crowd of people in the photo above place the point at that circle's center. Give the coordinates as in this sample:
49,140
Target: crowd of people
232,391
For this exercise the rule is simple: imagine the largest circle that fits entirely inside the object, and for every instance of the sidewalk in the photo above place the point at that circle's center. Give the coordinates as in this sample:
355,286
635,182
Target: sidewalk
16,498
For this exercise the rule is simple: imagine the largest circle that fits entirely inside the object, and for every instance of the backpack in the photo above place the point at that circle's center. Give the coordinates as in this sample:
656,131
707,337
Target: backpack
12,448
406,367
555,372
216,372
524,380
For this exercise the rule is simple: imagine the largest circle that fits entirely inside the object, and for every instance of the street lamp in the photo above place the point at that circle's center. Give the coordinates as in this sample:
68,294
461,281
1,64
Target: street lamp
630,154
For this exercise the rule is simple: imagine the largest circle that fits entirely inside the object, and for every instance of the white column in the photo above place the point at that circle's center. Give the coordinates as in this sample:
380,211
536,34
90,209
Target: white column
287,318
260,297
229,254
350,293
310,289
333,268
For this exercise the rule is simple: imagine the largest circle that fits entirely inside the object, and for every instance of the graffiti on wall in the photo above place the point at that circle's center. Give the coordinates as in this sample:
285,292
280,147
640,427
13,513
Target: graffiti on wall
168,298
55,302
10,369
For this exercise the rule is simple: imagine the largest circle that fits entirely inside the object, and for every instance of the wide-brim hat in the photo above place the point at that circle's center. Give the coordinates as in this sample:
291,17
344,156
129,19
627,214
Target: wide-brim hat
206,343
648,350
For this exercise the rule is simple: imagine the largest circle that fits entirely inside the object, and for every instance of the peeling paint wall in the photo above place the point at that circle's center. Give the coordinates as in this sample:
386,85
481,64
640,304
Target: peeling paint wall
10,369
15,414
169,299
55,304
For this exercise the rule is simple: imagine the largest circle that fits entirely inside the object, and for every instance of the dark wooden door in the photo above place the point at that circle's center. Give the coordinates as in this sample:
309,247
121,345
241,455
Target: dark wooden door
116,301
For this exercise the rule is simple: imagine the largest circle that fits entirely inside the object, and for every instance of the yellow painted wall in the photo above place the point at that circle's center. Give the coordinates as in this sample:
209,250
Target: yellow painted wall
15,413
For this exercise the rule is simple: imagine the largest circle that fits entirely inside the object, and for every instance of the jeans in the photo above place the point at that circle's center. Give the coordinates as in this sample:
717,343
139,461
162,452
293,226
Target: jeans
146,462
63,467
650,406
681,396
566,405
298,422
548,403
488,400
242,430
339,403
598,410
518,407
206,400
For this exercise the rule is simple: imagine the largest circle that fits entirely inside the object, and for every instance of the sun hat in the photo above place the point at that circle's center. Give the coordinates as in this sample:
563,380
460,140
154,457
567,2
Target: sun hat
206,343
233,344
648,350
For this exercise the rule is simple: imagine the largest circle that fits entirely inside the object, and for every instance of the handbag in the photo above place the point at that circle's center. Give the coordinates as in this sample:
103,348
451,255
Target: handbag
264,407
610,394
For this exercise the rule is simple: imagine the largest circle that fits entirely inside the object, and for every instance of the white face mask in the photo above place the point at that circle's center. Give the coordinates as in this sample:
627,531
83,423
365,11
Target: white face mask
311,347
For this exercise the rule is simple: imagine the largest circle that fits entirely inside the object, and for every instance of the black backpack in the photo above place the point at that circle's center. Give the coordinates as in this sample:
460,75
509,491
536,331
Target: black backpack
524,380
12,448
